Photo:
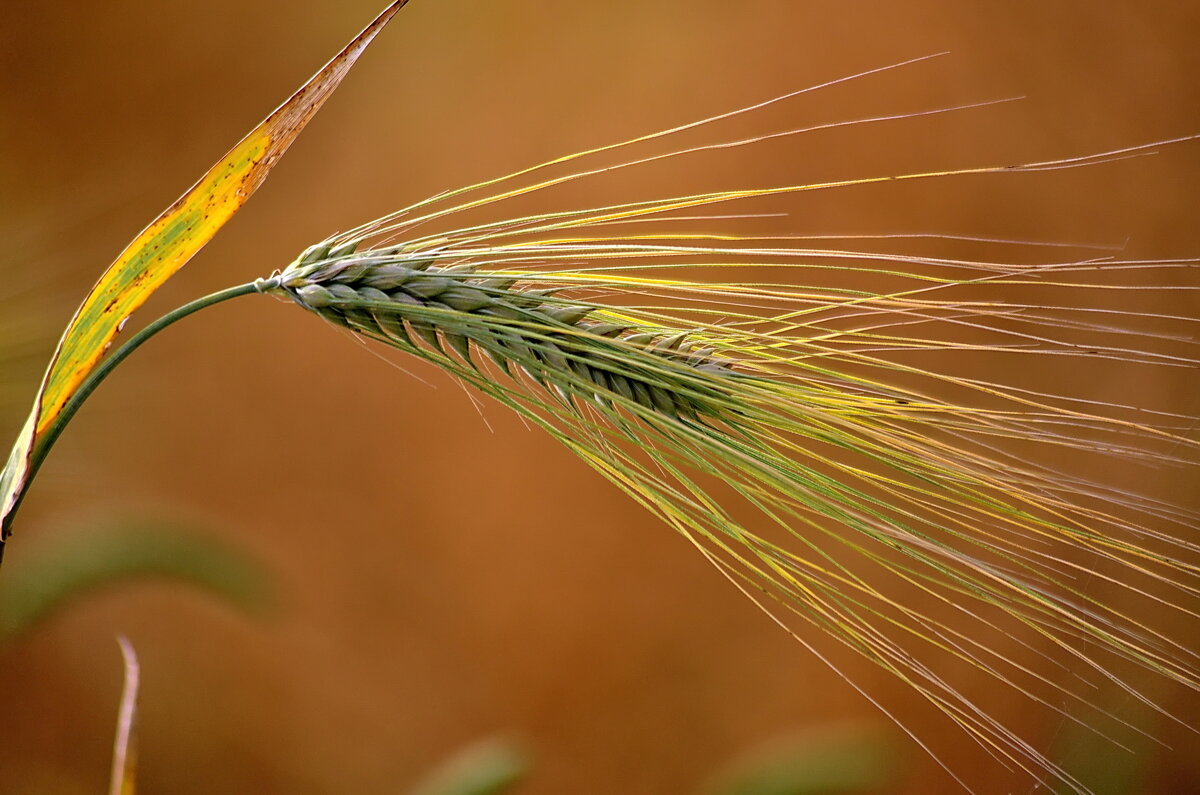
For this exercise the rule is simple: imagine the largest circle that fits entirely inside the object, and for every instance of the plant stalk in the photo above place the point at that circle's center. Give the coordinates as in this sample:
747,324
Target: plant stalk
46,439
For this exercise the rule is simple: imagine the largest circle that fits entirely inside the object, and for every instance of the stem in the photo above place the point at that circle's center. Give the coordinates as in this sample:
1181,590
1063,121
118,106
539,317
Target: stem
49,436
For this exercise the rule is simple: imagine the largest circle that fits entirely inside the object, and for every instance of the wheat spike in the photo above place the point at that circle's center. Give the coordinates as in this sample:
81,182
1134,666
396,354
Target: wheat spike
777,422
577,349
868,475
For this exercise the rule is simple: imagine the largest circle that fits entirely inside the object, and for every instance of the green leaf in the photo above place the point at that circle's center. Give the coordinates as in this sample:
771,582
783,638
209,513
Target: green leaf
489,767
812,764
80,564
161,249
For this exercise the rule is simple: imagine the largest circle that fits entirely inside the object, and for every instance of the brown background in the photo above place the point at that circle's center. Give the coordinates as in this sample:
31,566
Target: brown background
442,581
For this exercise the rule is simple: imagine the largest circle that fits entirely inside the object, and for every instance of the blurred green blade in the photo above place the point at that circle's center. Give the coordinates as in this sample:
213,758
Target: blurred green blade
817,763
82,564
489,767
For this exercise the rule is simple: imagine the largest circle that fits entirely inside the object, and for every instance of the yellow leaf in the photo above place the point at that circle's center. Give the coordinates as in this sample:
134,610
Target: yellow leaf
162,249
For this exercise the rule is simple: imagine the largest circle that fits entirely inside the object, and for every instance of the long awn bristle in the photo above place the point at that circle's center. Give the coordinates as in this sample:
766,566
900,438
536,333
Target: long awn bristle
868,473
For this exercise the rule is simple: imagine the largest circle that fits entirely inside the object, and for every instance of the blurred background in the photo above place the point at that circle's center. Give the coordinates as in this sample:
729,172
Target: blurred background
441,573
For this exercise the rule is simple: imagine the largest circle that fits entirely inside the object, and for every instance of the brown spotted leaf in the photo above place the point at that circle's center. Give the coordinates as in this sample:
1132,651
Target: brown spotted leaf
162,249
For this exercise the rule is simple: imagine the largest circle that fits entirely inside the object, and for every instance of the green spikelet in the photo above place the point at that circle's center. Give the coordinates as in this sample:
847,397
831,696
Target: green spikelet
548,337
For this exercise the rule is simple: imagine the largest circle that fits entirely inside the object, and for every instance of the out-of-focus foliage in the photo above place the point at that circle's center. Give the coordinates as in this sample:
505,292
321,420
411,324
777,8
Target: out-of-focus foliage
489,767
830,760
74,566
1091,757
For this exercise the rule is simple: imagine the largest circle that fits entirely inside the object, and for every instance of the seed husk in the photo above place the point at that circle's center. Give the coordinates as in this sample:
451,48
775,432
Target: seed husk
392,297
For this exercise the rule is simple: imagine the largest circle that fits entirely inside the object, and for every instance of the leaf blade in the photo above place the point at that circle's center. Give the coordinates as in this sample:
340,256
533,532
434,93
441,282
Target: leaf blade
165,246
